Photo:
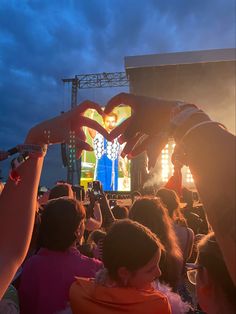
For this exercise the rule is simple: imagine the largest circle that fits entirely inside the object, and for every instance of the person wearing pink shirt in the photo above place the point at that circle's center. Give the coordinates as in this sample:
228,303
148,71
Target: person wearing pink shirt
48,275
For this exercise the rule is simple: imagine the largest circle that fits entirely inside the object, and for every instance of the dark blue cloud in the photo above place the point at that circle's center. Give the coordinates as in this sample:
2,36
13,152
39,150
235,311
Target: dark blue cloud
43,41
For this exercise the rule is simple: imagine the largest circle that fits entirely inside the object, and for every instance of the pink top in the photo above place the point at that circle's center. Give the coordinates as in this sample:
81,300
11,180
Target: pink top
47,277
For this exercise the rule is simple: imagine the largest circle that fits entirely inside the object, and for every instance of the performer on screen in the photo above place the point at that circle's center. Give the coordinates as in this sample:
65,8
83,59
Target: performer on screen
107,156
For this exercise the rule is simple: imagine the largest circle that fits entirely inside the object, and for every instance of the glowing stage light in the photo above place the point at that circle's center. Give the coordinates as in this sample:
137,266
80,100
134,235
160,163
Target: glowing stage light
167,167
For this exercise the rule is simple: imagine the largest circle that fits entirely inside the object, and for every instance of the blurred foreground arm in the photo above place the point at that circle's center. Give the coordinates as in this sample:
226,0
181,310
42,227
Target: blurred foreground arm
17,211
18,202
208,149
211,157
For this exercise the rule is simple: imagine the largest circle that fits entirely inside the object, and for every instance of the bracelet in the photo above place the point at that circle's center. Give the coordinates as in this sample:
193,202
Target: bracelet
31,148
181,117
184,119
36,152
198,125
15,163
24,148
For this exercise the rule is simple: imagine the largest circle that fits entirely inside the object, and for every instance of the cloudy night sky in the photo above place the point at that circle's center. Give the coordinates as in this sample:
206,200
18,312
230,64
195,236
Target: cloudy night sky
42,42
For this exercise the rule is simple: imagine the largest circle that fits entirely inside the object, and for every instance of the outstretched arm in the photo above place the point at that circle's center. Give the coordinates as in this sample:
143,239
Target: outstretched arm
208,149
17,211
18,202
211,156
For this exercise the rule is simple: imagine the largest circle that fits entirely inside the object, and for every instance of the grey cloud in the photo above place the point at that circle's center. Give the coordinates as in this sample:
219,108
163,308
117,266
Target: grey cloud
43,41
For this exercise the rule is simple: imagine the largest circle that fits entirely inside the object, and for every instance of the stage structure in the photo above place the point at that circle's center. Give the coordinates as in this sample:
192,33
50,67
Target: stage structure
86,81
205,77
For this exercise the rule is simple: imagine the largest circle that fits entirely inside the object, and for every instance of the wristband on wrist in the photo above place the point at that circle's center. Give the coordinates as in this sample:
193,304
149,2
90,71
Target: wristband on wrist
183,121
33,151
181,114
24,148
15,163
197,126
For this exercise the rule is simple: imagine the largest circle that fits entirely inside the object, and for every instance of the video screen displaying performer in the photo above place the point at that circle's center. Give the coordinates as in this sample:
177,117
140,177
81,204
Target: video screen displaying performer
104,163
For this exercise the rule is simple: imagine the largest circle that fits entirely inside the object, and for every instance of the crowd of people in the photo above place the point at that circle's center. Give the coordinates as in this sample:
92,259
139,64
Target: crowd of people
156,256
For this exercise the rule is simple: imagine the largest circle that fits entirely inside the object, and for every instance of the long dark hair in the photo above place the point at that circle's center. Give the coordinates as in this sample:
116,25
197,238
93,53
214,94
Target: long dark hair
151,213
171,201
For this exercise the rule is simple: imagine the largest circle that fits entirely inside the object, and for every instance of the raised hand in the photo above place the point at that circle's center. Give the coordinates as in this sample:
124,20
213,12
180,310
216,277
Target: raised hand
145,129
61,128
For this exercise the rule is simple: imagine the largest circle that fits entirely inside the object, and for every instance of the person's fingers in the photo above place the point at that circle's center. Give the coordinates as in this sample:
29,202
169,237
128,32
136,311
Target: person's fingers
140,146
88,104
81,145
132,129
120,129
154,147
122,98
130,144
121,139
84,121
127,129
81,135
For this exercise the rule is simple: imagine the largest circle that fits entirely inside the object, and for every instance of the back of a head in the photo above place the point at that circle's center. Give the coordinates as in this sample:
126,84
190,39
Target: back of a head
128,244
120,212
211,258
60,190
150,213
96,236
59,223
148,191
170,199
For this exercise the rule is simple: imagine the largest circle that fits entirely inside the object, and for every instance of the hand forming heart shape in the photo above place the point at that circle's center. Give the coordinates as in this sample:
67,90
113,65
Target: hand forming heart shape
143,131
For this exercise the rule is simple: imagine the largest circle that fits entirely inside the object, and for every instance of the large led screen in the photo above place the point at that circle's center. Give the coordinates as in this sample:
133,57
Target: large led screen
105,163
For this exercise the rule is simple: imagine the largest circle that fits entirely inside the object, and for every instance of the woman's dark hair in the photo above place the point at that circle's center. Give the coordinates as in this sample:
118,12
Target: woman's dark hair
96,236
128,244
171,201
59,222
151,213
59,190
210,257
120,212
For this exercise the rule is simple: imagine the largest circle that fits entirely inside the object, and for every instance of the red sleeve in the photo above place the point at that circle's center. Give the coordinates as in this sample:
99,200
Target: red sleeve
175,182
